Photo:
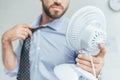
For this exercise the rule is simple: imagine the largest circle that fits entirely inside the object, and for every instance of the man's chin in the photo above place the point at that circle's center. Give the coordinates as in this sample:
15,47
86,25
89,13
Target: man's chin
55,16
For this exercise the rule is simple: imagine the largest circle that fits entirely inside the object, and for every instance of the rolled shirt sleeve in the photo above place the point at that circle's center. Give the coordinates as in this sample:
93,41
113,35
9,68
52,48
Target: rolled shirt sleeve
14,72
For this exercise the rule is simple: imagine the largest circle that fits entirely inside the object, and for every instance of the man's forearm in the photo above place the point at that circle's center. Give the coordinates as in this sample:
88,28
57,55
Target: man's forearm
8,55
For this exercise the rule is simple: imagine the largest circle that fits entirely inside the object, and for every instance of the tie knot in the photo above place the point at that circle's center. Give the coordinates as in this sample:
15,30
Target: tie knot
35,29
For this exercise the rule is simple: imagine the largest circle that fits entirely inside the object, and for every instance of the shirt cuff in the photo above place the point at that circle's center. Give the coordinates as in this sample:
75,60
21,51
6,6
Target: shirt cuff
13,72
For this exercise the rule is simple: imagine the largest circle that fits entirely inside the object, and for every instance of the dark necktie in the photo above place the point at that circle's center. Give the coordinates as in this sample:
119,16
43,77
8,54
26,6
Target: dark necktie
24,66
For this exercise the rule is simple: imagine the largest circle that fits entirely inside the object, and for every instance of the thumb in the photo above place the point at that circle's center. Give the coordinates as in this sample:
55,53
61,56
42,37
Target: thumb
102,50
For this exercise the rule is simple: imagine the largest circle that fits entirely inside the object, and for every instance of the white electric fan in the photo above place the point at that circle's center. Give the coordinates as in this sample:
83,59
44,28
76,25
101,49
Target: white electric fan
85,31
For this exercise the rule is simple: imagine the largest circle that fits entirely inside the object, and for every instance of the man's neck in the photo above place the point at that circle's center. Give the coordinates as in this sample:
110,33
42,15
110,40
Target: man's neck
45,19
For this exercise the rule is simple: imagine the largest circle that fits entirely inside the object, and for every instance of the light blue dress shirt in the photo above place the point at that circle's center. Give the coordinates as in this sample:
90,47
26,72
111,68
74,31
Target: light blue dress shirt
48,49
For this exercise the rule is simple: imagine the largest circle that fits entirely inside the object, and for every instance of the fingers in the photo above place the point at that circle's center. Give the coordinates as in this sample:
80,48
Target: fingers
89,69
102,50
18,32
23,31
84,62
83,56
86,68
96,59
86,65
23,37
27,29
100,54
27,32
27,26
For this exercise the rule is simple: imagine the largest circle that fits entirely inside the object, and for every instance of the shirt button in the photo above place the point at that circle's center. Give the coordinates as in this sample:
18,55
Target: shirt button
36,66
38,30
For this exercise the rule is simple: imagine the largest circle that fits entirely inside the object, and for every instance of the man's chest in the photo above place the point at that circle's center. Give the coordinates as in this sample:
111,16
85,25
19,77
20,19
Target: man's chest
50,47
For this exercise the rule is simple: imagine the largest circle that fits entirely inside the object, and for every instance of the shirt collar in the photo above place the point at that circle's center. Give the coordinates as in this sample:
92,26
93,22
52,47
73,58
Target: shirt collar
54,25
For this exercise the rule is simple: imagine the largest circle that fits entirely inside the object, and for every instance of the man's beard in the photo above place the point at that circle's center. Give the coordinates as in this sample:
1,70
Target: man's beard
56,13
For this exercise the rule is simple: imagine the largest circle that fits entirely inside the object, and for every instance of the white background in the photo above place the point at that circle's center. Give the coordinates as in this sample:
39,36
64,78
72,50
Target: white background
24,11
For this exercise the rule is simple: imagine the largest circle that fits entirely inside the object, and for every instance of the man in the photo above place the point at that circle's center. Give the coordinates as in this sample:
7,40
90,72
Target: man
48,44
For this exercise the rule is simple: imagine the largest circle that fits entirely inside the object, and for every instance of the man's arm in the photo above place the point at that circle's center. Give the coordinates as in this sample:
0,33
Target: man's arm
8,55
84,61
